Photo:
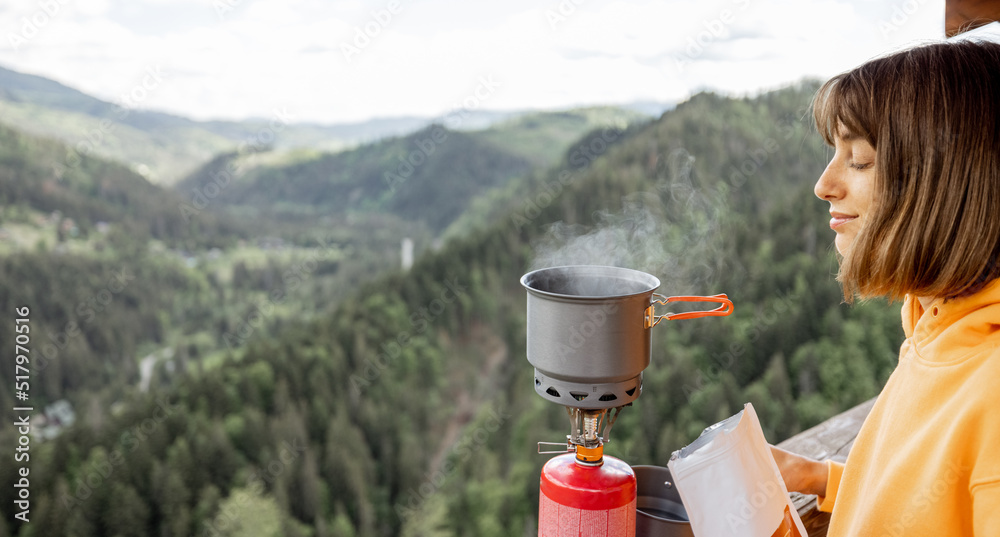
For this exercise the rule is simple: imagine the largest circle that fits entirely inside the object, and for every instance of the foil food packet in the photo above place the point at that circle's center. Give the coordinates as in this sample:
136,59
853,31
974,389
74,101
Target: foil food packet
730,484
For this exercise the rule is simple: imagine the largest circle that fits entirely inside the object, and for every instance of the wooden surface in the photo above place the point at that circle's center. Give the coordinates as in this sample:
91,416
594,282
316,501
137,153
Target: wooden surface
964,15
831,439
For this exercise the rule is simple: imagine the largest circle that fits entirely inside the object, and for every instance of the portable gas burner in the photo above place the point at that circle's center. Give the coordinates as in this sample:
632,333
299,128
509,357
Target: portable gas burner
589,339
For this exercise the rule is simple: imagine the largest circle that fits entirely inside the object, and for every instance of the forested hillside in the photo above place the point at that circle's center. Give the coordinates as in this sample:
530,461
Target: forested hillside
36,174
124,271
428,177
119,270
409,410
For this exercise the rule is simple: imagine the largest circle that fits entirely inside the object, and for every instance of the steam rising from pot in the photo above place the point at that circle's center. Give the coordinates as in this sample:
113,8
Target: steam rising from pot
672,230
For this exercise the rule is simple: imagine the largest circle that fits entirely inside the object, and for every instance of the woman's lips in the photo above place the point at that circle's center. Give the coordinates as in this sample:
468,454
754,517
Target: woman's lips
839,219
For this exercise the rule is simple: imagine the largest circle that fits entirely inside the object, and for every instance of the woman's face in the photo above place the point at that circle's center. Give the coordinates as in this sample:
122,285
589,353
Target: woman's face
848,183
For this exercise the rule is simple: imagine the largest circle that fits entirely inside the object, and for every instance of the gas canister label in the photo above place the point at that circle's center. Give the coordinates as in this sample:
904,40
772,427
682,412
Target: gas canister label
557,520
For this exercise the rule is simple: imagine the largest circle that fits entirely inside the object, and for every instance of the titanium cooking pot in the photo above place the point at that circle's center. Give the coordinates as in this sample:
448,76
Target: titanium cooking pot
588,331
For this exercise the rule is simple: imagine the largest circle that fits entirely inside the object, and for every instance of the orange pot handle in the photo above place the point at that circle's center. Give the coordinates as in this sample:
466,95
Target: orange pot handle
725,309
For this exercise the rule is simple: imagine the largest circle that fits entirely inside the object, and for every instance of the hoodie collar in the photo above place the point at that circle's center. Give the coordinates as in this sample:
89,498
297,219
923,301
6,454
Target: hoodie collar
946,326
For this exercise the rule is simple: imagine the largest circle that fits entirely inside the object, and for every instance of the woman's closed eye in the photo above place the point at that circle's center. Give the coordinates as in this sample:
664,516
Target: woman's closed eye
861,165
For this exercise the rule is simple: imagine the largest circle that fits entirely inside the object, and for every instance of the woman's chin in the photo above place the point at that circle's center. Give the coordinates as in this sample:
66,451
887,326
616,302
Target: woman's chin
843,243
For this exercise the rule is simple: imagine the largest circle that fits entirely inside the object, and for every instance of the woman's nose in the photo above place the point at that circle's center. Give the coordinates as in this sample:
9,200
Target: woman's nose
829,186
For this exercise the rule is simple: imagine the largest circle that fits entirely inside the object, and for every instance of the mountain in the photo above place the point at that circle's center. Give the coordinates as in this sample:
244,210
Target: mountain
649,108
429,176
165,148
116,268
35,176
542,137
409,409
162,147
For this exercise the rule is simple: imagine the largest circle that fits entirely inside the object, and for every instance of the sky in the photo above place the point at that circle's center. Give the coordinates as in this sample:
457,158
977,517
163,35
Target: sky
333,61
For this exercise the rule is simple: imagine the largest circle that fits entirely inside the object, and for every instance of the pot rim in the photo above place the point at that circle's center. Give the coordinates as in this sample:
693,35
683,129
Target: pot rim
659,472
612,271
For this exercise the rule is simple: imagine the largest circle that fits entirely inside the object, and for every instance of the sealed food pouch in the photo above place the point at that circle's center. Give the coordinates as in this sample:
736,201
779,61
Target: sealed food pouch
730,484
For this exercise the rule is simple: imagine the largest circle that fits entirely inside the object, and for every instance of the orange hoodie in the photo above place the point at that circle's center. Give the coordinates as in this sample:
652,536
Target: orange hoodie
927,459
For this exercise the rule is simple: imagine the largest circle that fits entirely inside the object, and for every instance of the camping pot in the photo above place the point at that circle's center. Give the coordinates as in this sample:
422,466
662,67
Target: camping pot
659,509
588,331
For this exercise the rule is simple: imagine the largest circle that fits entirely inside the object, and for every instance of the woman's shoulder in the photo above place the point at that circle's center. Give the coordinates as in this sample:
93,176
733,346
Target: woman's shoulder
983,370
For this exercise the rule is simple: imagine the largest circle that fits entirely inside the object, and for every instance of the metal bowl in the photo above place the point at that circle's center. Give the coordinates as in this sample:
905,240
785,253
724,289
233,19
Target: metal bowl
660,511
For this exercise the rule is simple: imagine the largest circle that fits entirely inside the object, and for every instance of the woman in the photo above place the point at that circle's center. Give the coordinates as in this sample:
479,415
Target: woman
914,193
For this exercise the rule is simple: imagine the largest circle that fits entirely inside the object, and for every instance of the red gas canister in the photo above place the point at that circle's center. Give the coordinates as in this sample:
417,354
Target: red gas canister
586,499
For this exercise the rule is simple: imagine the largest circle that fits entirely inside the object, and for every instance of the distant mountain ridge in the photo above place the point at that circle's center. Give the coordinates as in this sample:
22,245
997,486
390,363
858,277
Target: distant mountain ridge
161,146
164,147
33,89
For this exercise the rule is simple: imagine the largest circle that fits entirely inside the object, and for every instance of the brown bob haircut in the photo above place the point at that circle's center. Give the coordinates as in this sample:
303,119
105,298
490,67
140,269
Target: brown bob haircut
932,113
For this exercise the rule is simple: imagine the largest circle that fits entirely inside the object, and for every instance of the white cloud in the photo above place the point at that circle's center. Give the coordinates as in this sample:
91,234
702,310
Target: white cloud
428,56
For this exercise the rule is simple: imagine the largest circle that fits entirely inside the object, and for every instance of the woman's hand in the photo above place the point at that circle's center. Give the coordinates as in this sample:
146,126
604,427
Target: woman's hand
801,474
